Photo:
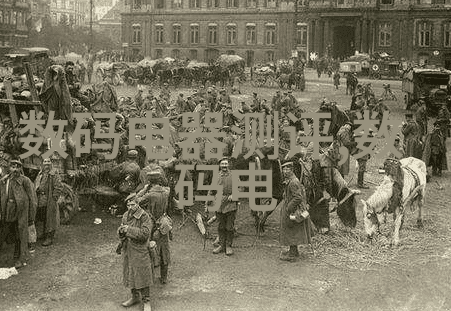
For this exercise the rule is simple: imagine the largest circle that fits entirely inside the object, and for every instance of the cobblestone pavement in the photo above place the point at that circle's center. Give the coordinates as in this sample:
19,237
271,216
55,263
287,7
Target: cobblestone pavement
343,272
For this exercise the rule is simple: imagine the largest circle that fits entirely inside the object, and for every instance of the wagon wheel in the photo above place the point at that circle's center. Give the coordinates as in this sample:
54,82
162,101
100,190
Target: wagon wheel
377,75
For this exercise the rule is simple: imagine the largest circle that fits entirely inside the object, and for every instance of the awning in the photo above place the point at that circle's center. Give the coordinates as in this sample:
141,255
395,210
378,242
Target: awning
250,25
212,25
231,24
159,25
302,24
194,24
270,24
177,25
136,25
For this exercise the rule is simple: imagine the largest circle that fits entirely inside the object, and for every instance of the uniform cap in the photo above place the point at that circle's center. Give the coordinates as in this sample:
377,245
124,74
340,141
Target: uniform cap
287,164
132,154
16,162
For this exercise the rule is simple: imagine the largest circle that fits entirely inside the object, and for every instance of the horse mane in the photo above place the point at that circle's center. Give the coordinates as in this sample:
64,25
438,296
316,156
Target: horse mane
379,200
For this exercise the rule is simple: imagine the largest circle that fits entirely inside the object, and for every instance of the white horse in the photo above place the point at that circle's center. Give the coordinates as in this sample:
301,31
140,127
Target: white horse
404,185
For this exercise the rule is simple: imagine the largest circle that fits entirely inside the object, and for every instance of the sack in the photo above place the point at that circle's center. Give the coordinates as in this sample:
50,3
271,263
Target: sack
152,248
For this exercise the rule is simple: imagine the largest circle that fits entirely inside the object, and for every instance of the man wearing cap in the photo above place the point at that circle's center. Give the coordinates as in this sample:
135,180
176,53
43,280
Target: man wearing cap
244,108
227,210
421,117
4,161
135,232
295,227
412,135
345,139
49,191
139,102
276,101
434,153
18,210
256,103
443,119
126,175
152,166
180,103
362,161
224,99
154,199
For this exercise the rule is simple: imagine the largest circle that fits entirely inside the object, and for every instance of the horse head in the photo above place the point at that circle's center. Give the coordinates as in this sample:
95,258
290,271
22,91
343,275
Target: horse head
370,220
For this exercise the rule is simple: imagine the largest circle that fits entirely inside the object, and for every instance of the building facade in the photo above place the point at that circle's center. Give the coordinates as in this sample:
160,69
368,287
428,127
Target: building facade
266,30
14,20
75,12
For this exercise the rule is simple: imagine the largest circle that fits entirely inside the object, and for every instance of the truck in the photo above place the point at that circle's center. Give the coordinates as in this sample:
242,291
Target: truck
433,85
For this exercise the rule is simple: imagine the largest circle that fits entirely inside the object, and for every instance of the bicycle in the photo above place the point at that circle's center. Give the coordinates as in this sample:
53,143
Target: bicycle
388,94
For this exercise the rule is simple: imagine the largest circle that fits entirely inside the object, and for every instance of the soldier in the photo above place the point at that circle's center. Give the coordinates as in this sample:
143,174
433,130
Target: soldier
412,134
154,199
276,100
224,99
421,117
139,100
362,162
134,232
443,119
295,227
435,151
18,210
336,79
227,210
180,103
345,139
49,190
256,103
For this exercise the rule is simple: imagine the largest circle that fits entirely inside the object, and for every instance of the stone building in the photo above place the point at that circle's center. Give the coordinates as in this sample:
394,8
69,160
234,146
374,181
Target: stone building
76,12
266,30
14,17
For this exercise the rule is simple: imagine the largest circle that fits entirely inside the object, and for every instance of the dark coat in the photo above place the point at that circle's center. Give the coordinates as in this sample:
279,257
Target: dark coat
137,265
430,143
294,198
23,210
412,143
53,192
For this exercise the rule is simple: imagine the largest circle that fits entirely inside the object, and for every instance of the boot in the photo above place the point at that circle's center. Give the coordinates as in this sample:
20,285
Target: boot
133,300
32,247
360,183
221,247
164,274
293,252
229,240
48,238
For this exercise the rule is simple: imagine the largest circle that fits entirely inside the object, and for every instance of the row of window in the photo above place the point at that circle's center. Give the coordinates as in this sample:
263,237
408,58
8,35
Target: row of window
12,17
209,54
161,4
231,32
424,34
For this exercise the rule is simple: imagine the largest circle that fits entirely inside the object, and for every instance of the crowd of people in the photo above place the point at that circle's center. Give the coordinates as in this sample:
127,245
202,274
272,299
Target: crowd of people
146,192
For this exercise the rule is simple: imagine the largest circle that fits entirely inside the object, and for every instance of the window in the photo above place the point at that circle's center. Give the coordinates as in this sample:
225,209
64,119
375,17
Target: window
270,56
213,3
301,35
158,53
447,35
212,34
385,34
271,3
251,3
231,52
193,54
176,4
1,16
175,54
424,34
387,2
136,34
159,31
438,1
177,29
232,3
13,17
270,34
231,34
194,4
251,37
20,20
159,4
194,36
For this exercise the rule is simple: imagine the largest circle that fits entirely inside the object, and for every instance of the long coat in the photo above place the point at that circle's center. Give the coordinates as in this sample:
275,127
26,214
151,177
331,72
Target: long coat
344,136
294,198
23,210
53,192
427,153
412,143
137,265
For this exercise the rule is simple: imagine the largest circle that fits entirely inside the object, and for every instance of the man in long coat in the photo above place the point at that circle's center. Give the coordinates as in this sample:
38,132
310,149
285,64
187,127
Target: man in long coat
18,210
412,133
345,139
154,199
435,151
49,191
227,210
292,232
134,232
